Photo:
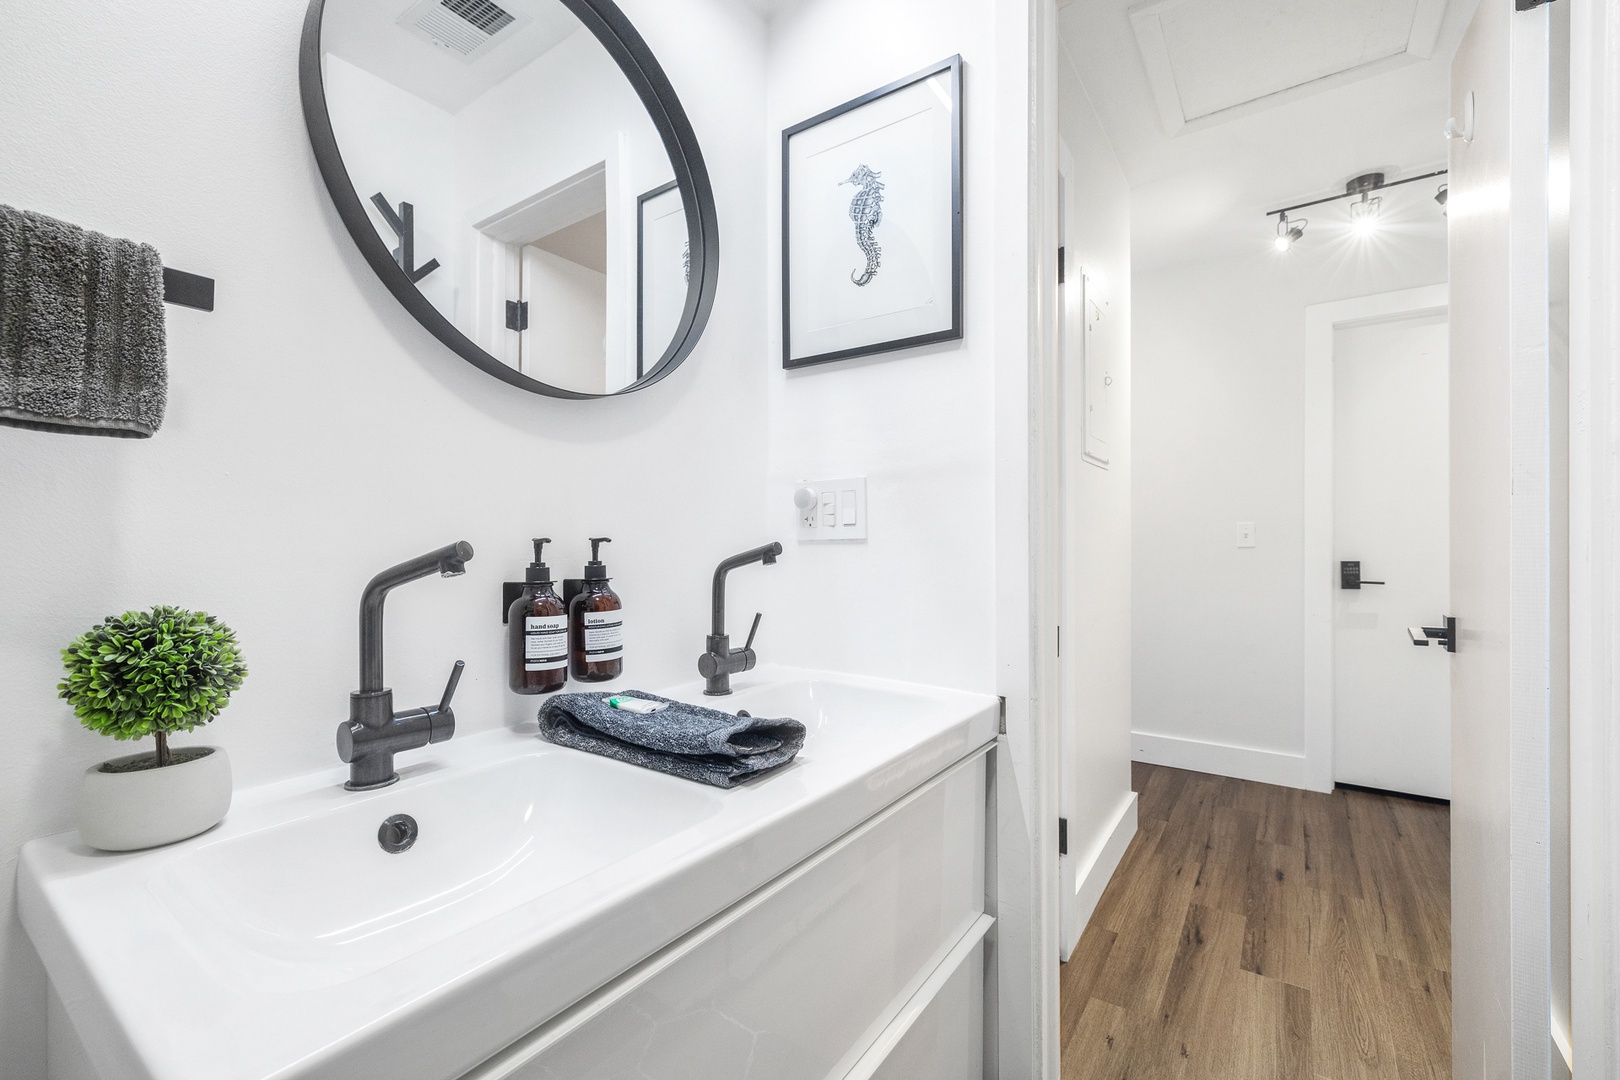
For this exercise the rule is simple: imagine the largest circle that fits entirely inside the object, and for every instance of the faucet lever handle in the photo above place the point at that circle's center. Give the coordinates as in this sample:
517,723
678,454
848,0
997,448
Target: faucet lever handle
752,630
450,687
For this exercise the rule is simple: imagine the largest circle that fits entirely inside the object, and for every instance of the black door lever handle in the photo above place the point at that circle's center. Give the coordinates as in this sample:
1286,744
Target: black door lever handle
1445,636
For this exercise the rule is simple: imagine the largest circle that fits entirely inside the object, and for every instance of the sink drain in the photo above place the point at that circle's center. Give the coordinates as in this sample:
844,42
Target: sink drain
397,833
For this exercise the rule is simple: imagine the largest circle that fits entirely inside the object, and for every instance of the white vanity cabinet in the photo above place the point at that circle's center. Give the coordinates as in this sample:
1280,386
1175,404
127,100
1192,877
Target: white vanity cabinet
866,960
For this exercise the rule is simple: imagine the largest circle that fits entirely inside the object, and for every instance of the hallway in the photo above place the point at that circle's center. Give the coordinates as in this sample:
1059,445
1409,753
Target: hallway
1254,931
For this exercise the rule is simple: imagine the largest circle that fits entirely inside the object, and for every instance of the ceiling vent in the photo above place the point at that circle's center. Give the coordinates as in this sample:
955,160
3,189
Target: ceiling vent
468,28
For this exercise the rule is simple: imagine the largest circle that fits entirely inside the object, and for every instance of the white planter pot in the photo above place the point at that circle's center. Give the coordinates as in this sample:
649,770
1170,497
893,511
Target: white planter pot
122,811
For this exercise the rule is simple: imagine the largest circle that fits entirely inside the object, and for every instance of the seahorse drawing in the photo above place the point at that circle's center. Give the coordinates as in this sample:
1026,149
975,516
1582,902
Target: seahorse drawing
866,211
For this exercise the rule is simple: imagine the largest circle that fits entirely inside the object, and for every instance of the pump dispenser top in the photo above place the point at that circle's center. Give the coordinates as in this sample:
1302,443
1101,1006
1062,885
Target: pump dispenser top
538,572
596,570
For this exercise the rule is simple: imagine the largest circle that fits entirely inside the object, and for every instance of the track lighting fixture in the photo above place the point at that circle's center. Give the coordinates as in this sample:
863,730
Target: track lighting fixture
1440,197
1364,211
1288,232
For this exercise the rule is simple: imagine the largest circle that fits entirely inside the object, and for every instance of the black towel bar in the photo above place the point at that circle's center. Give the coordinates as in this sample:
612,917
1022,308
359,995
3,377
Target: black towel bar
188,290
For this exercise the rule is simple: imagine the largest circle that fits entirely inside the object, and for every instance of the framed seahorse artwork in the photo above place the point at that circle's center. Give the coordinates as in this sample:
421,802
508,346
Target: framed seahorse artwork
872,222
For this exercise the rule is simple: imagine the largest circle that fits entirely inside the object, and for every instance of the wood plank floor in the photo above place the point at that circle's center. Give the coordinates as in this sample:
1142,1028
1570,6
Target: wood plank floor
1256,932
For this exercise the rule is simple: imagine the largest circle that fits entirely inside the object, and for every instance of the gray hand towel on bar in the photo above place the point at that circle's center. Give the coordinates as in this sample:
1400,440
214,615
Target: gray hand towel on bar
81,330
706,745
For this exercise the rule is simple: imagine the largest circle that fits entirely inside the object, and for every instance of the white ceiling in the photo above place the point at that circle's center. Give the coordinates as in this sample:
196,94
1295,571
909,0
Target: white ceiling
1220,110
367,34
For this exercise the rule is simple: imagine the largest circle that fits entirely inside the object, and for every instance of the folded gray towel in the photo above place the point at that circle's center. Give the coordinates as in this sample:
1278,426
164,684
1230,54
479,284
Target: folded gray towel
81,330
706,745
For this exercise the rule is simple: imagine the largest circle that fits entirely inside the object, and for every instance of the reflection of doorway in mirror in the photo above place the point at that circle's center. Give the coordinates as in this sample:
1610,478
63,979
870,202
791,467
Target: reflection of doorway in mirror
563,282
542,292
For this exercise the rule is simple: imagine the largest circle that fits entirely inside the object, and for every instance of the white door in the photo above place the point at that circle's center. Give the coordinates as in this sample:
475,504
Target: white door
1093,395
1500,567
565,344
1391,702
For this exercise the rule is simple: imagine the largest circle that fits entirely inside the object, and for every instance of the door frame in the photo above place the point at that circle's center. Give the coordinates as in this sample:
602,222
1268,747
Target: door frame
1594,526
1321,320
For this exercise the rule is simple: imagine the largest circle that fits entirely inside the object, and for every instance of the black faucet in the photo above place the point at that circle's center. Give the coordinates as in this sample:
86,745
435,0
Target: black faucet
720,661
368,740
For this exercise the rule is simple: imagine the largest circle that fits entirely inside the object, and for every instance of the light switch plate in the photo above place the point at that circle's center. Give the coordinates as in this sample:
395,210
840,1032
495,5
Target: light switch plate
1245,534
847,521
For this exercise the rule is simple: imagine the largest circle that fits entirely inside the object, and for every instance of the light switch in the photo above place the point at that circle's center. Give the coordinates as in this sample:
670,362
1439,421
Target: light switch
1245,533
830,509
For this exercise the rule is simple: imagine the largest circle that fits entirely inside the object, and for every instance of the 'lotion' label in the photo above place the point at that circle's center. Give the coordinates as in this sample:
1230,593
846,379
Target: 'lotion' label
604,636
545,642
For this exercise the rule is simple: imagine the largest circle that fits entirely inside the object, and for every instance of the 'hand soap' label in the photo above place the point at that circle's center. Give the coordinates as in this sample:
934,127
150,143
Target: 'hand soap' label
604,636
545,642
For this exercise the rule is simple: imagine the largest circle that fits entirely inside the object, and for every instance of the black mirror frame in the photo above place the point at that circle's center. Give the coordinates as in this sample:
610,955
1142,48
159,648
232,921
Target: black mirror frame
625,44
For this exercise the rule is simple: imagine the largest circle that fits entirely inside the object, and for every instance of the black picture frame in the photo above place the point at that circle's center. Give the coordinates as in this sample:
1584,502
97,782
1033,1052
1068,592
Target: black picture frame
954,332
641,263
635,59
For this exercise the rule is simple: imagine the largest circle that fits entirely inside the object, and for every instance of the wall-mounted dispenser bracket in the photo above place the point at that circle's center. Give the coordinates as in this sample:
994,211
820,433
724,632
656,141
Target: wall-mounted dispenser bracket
404,225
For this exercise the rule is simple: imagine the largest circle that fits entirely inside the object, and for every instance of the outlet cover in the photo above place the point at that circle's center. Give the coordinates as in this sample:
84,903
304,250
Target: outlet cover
830,510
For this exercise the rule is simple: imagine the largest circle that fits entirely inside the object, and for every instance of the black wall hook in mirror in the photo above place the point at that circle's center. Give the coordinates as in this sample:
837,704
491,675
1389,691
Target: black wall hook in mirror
404,225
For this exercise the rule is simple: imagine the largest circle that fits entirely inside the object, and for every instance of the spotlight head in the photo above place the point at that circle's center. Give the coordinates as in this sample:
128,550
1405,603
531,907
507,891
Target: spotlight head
1440,197
1288,232
1364,214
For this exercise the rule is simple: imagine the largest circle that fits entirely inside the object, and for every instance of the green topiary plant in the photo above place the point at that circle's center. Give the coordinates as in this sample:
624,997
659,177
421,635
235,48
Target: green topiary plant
152,672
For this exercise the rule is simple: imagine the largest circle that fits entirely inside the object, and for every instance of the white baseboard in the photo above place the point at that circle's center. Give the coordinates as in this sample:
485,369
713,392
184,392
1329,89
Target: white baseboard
1092,879
1243,762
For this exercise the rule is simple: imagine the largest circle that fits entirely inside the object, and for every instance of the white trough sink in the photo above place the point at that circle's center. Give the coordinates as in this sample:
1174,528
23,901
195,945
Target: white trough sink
286,943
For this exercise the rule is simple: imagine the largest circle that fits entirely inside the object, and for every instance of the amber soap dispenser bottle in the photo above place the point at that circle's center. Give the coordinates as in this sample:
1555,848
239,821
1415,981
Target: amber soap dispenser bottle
537,632
596,623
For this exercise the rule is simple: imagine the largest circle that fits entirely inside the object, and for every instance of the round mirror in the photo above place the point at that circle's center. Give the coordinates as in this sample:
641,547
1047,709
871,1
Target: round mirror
522,177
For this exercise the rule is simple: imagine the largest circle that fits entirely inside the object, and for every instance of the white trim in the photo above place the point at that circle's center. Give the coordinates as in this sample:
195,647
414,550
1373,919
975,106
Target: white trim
1317,505
1093,876
1594,497
1028,523
1222,759
1529,595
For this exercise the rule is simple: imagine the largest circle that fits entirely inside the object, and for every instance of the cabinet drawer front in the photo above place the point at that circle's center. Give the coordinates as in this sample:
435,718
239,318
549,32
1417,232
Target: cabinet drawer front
783,985
946,1040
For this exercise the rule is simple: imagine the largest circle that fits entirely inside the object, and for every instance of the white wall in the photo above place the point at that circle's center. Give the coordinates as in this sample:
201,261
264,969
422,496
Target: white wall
940,592
315,433
1218,411
919,423
1097,798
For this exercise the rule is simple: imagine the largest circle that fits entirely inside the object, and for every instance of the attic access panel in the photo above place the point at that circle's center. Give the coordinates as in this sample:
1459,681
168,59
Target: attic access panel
1210,60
